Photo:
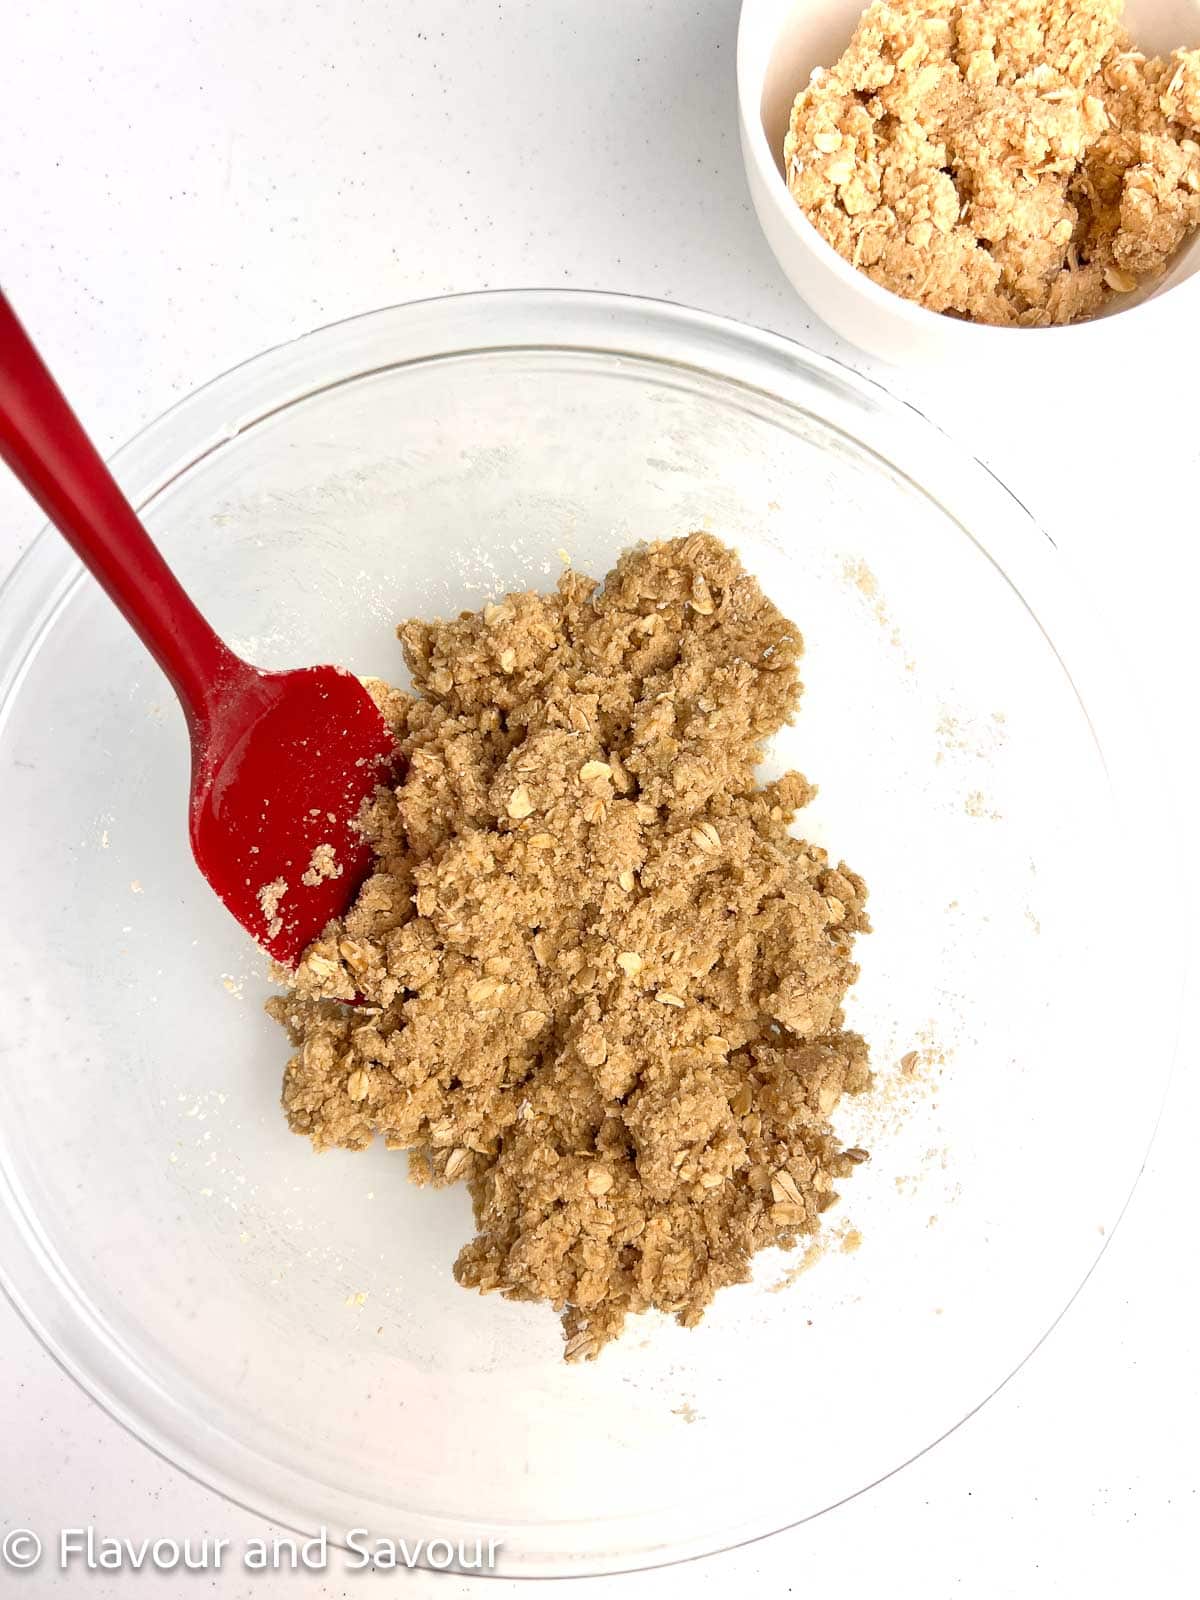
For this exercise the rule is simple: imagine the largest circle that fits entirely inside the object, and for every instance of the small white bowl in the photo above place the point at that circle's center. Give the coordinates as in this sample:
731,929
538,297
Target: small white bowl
779,43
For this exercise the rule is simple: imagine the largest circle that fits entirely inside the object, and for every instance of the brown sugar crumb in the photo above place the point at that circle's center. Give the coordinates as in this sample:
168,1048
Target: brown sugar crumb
602,980
1014,162
269,897
324,864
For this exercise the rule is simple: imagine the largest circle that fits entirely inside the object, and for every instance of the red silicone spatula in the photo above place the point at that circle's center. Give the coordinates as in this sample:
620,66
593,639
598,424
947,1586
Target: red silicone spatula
281,761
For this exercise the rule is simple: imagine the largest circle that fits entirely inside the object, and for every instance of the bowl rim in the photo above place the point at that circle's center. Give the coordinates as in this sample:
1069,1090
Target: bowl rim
759,26
665,334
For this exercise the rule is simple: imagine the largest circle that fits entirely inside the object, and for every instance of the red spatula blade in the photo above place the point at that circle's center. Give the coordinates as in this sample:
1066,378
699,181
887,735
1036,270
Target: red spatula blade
281,761
280,771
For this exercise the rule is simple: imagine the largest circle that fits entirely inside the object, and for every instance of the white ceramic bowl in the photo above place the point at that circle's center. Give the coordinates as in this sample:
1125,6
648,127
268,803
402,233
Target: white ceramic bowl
779,43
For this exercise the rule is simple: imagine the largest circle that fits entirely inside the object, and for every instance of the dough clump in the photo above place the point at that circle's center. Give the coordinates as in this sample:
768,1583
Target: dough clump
602,981
1014,162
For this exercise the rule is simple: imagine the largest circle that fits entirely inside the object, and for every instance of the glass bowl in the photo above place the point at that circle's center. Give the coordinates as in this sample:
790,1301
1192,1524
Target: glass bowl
285,1326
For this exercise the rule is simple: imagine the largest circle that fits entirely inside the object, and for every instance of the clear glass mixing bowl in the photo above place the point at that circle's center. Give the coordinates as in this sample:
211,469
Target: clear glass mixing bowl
285,1326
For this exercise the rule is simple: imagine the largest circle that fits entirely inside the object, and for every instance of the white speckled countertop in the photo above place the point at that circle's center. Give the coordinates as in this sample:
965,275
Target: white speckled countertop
184,186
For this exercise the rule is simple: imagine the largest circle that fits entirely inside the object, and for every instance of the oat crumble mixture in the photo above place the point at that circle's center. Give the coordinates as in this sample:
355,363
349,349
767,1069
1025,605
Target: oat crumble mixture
1015,162
603,981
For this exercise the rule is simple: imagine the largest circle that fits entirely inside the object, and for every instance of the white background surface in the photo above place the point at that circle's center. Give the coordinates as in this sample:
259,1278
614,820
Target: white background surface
181,186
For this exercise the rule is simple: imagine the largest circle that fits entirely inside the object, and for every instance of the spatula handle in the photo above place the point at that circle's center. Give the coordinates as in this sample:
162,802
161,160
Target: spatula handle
42,441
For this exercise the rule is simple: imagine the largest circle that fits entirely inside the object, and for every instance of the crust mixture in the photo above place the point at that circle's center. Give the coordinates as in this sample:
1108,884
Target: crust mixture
603,981
1011,161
